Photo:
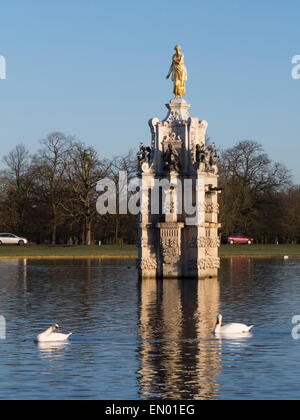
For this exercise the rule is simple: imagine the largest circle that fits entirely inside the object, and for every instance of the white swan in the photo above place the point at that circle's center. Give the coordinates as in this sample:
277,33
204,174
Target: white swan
52,335
230,328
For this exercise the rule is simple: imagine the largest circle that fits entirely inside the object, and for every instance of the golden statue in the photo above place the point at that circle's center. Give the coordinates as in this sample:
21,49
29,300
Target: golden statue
179,73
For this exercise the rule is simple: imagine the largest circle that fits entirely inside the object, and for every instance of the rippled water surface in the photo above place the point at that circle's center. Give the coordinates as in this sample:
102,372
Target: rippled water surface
150,339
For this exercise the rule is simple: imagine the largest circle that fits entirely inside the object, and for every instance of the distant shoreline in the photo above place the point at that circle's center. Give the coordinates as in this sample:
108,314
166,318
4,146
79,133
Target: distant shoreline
130,252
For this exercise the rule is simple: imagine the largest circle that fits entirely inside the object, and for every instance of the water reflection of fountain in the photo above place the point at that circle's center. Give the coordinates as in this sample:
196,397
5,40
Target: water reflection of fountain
179,359
209,355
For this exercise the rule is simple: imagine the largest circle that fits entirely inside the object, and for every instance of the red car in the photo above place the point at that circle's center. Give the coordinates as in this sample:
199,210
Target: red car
237,238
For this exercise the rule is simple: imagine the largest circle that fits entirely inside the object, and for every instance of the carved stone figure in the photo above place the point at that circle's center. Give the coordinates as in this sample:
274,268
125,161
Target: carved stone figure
206,158
200,153
214,159
144,155
179,73
172,159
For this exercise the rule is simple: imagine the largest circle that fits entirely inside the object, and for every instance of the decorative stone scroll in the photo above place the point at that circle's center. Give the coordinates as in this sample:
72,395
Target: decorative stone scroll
170,250
203,242
204,264
147,264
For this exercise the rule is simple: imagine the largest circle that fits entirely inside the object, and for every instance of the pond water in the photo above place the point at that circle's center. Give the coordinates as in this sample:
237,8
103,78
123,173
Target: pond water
150,339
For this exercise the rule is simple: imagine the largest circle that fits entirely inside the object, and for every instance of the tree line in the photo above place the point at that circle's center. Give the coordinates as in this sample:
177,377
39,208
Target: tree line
258,197
50,196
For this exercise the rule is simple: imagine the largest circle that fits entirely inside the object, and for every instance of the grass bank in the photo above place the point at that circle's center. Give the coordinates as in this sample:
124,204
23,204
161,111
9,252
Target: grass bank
130,251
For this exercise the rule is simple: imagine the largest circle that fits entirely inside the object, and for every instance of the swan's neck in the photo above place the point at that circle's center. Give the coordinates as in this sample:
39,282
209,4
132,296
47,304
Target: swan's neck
47,332
218,324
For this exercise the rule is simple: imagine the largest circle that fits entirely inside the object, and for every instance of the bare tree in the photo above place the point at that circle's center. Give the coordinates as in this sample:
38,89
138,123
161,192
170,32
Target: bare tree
128,164
50,166
17,181
249,178
85,169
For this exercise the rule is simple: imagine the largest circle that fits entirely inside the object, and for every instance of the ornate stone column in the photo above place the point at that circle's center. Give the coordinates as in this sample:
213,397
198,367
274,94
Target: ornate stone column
173,243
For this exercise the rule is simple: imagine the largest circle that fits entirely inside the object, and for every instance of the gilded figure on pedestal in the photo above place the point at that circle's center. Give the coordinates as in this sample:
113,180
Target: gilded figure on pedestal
179,73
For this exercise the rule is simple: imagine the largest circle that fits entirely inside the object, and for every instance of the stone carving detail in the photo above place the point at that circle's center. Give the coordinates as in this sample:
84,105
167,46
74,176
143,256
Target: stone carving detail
204,264
174,116
203,242
208,263
173,138
169,207
169,242
177,118
147,264
213,242
178,112
209,207
170,250
212,208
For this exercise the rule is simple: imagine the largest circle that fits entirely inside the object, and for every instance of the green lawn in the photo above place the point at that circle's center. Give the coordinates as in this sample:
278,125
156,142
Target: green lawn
69,252
130,251
259,250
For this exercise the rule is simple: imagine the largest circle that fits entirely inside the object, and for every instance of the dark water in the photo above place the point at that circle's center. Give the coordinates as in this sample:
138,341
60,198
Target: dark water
152,339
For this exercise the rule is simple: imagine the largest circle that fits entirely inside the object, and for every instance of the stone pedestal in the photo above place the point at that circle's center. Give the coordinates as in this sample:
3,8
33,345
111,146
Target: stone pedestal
178,226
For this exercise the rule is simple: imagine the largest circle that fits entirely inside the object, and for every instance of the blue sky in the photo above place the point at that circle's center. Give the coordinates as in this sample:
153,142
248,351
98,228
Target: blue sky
96,69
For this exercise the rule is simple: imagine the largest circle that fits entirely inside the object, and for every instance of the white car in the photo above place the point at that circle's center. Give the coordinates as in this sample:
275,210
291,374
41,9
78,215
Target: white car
10,239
